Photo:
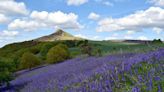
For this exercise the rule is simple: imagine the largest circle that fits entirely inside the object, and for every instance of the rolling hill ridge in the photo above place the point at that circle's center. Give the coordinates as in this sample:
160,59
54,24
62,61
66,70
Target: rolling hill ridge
58,35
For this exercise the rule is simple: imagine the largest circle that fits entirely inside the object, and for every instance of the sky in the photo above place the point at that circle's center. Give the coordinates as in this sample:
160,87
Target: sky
23,20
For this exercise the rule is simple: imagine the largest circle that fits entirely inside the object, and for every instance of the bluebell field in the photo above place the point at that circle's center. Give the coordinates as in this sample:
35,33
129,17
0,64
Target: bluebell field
130,72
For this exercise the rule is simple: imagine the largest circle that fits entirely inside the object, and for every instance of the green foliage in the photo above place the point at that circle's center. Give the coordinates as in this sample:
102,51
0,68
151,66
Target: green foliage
29,60
157,41
44,50
34,50
78,43
70,43
6,69
15,51
74,54
86,48
58,53
98,52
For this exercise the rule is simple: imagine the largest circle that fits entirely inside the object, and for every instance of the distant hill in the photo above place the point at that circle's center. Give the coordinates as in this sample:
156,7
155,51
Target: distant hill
138,41
133,41
57,36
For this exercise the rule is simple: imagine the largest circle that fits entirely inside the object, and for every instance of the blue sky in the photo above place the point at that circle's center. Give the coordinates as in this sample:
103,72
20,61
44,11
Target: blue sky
22,20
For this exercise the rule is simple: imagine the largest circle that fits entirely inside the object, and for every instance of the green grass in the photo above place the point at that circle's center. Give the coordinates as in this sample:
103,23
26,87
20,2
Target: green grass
109,47
16,50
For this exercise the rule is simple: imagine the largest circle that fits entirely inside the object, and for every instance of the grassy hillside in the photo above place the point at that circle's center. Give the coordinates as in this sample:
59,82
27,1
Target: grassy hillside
58,36
113,73
107,47
32,54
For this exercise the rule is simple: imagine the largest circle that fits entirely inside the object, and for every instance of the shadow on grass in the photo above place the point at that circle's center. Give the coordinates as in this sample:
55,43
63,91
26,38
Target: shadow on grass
12,88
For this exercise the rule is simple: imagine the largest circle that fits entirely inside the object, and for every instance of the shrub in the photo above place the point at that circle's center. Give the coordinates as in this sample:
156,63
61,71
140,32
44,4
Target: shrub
29,60
6,69
44,50
70,43
86,48
157,41
78,43
58,53
98,52
34,50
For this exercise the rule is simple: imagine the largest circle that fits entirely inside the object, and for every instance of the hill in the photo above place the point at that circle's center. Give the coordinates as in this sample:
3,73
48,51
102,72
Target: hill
95,73
58,35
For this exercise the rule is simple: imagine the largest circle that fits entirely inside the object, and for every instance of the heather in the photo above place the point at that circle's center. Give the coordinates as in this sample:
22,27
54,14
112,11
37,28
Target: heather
134,72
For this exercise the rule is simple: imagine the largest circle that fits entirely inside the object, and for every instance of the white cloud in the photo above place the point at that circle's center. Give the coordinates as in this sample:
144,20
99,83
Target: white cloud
96,38
115,34
130,32
108,3
6,33
128,37
91,37
76,2
142,38
150,18
81,36
45,19
3,19
157,2
43,15
59,19
19,24
93,16
12,7
157,30
104,2
111,38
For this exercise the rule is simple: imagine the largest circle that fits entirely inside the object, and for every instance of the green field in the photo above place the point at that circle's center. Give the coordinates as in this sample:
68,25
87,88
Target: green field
15,51
31,54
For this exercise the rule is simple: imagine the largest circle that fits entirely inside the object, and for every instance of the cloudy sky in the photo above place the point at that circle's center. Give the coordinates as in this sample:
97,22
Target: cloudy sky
22,20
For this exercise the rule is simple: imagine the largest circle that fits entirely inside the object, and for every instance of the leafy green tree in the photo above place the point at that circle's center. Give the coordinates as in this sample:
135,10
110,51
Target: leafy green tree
98,52
157,41
58,53
44,50
70,43
29,60
86,48
34,50
78,43
5,72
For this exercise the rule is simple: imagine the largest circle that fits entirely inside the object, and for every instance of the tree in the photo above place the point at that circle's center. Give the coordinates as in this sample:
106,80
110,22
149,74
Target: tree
58,53
156,41
29,60
45,48
5,72
86,48
98,52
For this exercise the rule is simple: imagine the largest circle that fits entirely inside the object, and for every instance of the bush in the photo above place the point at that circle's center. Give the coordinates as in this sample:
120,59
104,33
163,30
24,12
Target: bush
70,43
44,50
58,53
6,69
86,48
157,41
29,60
98,52
34,50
